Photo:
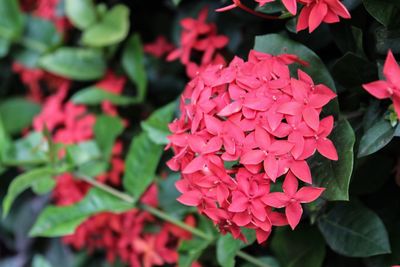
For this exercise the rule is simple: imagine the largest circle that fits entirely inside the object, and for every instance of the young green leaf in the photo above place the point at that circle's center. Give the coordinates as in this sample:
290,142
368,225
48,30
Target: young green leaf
95,96
156,126
335,175
111,29
17,114
106,130
133,64
303,247
23,182
141,164
353,230
82,13
59,221
75,63
11,20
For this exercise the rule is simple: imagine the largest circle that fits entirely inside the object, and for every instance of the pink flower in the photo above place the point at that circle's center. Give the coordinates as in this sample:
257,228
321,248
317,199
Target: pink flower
242,127
159,48
315,12
291,198
389,88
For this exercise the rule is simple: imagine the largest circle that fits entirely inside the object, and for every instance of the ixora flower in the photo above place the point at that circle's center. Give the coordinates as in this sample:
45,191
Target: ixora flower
391,87
312,14
242,128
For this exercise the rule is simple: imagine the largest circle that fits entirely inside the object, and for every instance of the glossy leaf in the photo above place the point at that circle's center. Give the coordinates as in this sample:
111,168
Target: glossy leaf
23,182
17,114
156,126
385,12
111,29
133,64
41,33
81,13
95,96
58,221
304,247
376,137
141,164
354,231
75,63
335,175
106,130
11,20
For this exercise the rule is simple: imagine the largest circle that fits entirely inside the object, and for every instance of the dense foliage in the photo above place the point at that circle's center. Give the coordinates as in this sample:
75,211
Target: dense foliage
200,133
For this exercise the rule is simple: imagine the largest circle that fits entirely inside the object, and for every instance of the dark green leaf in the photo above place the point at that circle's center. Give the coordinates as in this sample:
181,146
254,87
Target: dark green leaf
41,34
227,247
4,47
269,261
75,63
40,261
95,96
303,247
17,114
141,164
335,175
156,126
385,12
11,20
376,137
354,231
133,64
111,29
82,13
23,182
59,221
106,130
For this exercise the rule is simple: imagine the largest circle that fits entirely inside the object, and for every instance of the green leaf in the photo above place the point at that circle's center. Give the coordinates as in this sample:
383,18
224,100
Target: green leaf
11,20
353,230
133,64
41,34
176,2
106,130
141,164
27,151
269,261
23,182
335,175
81,13
168,193
111,29
95,96
4,141
17,114
385,12
59,221
75,63
376,137
4,47
40,261
83,152
227,247
303,247
44,186
156,126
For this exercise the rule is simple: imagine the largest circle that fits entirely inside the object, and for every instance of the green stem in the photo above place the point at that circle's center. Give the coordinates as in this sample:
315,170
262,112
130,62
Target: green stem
164,216
251,259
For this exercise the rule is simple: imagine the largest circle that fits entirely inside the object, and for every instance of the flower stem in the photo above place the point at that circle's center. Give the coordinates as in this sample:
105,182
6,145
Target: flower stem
164,216
239,4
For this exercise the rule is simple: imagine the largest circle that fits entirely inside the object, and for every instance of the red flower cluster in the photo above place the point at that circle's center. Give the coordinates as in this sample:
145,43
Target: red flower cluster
241,128
198,36
313,13
391,87
120,235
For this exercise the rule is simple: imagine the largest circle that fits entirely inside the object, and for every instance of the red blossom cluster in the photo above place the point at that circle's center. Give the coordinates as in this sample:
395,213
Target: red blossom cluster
199,38
312,13
391,87
159,48
121,235
241,128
